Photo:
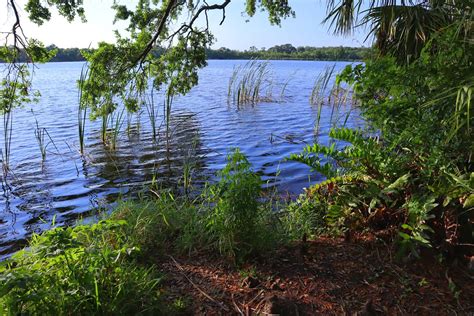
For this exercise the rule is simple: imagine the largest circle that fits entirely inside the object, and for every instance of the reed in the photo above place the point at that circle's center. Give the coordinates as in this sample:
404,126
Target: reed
9,95
319,92
133,122
82,110
285,85
151,111
129,123
250,84
340,97
40,134
167,113
116,121
189,165
7,139
103,130
335,98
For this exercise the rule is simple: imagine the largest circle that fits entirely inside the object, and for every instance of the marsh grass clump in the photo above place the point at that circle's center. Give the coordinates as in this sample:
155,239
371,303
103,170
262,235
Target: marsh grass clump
116,120
321,84
253,83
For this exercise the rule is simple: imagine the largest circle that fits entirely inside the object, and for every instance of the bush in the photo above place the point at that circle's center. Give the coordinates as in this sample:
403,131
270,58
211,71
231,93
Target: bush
412,167
239,225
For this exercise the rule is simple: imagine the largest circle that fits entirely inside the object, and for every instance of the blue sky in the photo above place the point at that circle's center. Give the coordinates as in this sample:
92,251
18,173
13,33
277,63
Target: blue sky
305,29
235,33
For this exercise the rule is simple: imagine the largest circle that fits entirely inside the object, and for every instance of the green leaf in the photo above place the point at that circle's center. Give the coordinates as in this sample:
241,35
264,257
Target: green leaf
398,184
469,202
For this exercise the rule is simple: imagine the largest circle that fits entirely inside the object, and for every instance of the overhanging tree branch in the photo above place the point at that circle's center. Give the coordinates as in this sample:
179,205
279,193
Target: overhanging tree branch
185,27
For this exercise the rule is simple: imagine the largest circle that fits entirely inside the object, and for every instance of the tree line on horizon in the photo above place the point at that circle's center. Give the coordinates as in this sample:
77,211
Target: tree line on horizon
285,51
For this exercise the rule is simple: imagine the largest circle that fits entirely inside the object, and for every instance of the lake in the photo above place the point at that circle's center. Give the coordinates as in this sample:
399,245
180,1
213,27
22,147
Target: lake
204,126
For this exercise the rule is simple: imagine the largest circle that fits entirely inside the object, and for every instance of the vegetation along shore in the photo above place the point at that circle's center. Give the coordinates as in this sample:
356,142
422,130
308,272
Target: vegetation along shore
278,52
387,231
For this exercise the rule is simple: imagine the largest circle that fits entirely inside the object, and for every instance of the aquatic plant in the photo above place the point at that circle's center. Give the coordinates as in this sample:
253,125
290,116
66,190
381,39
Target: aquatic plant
152,114
7,137
116,121
15,86
319,93
189,164
81,109
250,83
40,134
14,92
328,92
167,113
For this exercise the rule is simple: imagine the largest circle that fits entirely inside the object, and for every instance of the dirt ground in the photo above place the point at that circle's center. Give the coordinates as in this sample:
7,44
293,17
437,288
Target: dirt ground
326,276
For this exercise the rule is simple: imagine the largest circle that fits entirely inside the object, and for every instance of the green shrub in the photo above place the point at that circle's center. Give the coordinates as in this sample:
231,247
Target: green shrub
238,224
412,165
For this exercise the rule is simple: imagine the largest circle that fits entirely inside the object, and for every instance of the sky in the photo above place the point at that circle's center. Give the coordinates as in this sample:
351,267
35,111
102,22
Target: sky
237,32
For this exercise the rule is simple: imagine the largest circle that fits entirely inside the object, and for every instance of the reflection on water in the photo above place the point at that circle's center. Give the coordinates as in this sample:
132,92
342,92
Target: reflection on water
203,128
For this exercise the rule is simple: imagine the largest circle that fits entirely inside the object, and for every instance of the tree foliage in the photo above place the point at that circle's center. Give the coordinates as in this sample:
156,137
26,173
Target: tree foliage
401,28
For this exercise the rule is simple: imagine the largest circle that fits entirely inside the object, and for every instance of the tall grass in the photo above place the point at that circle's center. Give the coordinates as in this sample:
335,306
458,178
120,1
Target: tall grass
285,85
254,82
9,96
116,120
327,93
189,165
7,139
40,134
167,104
319,92
81,110
103,130
250,83
152,115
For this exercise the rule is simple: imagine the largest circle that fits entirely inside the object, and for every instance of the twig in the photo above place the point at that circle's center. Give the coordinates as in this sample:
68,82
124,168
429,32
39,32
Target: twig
237,308
180,268
247,305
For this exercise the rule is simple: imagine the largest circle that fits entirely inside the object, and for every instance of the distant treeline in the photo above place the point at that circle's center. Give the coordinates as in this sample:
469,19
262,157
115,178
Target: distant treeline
286,51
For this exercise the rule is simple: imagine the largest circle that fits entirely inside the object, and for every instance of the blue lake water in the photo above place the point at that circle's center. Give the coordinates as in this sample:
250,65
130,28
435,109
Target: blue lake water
204,126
